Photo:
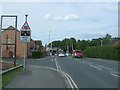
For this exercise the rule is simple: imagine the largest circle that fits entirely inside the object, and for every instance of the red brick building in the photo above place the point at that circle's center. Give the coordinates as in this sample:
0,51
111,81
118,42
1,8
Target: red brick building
8,37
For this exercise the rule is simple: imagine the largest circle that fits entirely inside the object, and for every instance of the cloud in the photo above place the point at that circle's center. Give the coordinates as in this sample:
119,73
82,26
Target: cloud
48,16
58,18
63,18
71,17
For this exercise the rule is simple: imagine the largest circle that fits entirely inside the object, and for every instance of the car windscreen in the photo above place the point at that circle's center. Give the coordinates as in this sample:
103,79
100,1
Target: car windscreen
78,52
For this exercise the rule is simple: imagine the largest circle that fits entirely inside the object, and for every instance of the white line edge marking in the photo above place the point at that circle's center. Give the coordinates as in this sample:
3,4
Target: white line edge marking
114,75
95,67
69,79
72,81
56,65
52,59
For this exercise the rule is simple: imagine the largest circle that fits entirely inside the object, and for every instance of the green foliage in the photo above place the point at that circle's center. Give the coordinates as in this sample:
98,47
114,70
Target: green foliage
37,54
81,45
68,44
104,52
39,42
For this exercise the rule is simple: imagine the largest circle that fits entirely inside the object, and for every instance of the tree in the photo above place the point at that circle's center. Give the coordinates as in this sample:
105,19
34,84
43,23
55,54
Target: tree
107,39
39,43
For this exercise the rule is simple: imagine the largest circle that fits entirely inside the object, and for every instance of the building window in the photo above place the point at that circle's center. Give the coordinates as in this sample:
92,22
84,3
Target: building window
9,40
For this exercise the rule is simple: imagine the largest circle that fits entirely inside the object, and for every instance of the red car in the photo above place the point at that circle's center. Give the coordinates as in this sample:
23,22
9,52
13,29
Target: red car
77,53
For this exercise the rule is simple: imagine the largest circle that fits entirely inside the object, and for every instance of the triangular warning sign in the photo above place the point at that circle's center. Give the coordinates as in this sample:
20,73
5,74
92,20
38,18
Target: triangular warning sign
25,26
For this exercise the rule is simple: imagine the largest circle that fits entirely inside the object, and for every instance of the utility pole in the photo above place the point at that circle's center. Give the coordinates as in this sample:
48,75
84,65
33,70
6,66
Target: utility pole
72,46
1,40
67,48
101,42
49,42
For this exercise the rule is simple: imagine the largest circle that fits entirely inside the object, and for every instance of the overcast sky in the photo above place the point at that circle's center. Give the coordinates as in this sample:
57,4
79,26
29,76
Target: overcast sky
81,20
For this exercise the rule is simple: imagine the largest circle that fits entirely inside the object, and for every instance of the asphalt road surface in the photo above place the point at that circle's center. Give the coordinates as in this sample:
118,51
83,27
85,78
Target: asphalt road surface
86,72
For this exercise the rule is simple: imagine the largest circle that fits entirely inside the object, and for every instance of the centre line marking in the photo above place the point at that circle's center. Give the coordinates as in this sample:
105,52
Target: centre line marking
95,67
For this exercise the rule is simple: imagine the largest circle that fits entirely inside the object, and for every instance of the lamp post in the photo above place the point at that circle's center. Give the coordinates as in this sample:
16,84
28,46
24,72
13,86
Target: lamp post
101,42
49,42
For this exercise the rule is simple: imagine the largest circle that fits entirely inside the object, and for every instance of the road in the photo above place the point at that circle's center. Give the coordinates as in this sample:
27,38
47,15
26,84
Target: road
86,72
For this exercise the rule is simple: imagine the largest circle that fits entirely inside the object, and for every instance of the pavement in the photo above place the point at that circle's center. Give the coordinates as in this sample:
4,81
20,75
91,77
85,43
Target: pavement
38,77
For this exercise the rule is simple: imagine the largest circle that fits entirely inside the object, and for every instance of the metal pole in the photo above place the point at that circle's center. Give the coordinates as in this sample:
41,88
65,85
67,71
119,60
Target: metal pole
101,42
67,49
15,42
72,46
49,37
24,56
26,17
24,62
49,42
1,39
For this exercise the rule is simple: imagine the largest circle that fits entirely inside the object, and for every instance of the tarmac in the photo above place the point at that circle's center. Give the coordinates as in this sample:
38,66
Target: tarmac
38,77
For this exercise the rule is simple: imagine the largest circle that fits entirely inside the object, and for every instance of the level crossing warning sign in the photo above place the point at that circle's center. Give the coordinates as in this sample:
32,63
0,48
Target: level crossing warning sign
25,33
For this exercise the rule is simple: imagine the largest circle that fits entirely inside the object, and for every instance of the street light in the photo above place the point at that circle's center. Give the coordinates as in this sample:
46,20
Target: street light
49,42
101,42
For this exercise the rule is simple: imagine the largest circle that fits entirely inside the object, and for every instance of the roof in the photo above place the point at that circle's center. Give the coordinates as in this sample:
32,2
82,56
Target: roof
11,28
115,40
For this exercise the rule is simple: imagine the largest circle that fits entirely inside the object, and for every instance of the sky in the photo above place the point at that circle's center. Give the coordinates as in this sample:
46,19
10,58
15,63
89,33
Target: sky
81,20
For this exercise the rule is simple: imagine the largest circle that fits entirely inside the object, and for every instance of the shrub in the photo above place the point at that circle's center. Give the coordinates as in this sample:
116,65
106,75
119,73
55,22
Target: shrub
104,52
36,54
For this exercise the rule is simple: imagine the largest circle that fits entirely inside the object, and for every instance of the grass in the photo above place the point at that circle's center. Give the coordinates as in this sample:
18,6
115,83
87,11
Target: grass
8,76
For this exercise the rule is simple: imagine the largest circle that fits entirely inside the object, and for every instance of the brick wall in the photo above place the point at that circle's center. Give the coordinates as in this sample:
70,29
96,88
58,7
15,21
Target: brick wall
10,34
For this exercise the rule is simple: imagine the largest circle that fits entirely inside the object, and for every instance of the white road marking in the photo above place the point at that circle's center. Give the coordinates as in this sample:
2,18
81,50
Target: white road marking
67,76
116,74
76,59
52,59
56,64
82,61
88,62
104,67
95,67
71,82
71,86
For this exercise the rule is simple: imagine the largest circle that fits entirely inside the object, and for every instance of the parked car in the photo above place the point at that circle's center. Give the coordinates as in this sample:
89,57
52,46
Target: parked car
77,53
61,55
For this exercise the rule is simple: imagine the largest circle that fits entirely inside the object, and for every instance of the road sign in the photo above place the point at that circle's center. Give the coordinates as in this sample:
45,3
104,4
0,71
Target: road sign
25,33
25,26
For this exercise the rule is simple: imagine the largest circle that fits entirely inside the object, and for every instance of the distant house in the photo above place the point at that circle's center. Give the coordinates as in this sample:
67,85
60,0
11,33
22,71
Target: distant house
8,40
116,41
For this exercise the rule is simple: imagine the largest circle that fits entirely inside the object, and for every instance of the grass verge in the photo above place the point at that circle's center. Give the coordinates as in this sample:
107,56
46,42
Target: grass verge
8,76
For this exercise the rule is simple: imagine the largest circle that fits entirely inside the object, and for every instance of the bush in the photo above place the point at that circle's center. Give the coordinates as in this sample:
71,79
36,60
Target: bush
104,52
36,54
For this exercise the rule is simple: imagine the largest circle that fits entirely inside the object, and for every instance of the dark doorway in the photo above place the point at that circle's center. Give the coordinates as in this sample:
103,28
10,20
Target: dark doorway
10,54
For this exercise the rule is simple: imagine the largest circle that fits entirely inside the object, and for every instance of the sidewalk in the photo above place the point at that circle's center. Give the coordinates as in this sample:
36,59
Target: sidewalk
38,77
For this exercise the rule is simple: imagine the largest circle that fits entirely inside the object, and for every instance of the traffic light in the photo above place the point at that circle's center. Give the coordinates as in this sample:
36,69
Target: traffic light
25,33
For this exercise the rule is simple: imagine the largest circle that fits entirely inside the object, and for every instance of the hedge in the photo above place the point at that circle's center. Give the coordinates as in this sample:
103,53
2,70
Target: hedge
104,52
36,54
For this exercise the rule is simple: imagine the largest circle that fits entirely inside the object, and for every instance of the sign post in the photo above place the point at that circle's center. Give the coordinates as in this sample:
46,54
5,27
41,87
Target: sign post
25,35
